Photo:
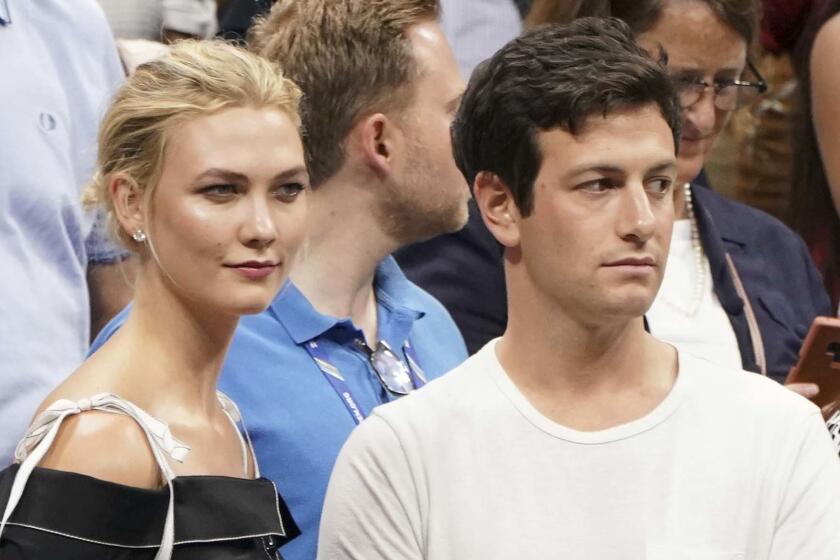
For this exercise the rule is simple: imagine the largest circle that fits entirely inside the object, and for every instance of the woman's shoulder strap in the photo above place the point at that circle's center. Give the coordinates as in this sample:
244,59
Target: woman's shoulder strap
235,417
42,433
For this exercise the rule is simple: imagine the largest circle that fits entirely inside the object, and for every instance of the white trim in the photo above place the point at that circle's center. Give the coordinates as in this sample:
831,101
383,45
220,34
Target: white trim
144,546
752,323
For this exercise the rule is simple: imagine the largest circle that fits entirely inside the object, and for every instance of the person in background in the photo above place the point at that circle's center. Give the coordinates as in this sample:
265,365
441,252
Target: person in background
751,161
577,434
143,28
237,16
815,193
61,279
161,20
350,332
740,289
201,170
477,28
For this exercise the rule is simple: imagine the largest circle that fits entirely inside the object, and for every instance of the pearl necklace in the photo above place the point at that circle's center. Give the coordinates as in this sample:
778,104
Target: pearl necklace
699,264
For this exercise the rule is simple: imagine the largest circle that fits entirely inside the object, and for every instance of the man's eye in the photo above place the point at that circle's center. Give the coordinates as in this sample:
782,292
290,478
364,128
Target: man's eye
289,191
661,186
599,185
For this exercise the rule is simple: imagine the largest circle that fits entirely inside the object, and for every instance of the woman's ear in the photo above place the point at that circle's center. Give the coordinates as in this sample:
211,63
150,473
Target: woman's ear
498,208
129,205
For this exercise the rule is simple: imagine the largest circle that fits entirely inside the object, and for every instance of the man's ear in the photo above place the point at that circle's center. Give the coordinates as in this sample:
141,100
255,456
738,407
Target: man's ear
379,141
498,208
129,203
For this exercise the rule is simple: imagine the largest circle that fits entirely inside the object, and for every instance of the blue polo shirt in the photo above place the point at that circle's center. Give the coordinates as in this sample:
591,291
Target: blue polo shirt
296,420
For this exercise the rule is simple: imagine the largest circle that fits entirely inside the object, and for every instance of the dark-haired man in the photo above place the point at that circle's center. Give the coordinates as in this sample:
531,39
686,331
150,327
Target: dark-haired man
577,435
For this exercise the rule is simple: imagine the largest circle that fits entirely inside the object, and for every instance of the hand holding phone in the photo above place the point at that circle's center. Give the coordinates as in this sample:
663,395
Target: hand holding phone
819,362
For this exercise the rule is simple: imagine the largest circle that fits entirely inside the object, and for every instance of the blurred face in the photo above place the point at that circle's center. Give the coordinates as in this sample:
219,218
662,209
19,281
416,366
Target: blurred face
430,197
228,214
699,45
597,240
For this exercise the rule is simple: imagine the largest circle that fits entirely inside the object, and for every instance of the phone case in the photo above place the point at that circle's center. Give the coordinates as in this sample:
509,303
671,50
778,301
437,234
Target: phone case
819,360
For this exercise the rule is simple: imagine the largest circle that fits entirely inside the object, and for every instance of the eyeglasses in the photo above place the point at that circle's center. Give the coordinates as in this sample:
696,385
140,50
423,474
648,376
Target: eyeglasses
392,373
729,94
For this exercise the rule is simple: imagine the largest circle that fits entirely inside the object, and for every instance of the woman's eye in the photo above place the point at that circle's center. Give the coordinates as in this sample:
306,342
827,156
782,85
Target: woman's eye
219,191
289,191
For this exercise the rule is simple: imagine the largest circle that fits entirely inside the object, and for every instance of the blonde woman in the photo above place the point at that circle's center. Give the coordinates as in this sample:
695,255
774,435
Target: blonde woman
136,455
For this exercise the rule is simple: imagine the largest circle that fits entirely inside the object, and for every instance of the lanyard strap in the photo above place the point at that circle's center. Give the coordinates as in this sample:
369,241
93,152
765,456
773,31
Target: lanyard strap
339,385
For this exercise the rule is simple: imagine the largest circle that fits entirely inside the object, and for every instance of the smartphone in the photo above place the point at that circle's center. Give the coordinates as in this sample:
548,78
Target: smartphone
819,360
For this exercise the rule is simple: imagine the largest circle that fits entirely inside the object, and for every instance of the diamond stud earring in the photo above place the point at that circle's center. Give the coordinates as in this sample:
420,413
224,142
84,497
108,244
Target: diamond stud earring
139,236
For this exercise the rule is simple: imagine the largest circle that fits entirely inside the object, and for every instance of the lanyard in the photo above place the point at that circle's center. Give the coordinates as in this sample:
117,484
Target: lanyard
336,379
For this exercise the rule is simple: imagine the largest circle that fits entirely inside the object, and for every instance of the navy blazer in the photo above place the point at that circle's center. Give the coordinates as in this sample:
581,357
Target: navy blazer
465,271
781,282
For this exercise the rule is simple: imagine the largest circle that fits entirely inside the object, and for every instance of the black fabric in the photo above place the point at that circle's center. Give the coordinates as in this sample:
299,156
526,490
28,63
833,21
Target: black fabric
236,18
465,272
69,515
523,6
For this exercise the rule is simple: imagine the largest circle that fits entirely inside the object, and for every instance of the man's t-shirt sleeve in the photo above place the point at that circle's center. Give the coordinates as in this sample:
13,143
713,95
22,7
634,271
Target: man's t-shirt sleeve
371,510
808,524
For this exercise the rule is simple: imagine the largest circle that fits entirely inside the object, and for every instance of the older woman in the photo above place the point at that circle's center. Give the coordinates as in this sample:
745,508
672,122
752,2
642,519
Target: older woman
136,455
740,288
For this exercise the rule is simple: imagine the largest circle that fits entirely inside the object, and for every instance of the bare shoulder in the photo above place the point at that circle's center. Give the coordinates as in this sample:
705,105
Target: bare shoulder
107,446
826,43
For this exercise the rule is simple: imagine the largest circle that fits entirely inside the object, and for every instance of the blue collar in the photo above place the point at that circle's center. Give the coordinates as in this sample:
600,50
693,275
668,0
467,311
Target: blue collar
303,322
5,15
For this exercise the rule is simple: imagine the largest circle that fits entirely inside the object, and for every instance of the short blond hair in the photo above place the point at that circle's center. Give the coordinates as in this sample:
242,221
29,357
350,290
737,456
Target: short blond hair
349,57
195,79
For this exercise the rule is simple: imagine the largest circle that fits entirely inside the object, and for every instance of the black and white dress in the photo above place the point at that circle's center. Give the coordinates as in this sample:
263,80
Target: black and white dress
834,429
57,514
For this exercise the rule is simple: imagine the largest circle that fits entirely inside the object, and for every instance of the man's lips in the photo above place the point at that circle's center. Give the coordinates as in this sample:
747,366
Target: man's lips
633,261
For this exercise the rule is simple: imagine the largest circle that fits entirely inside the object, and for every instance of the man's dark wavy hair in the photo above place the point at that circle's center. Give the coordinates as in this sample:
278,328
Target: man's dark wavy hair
553,76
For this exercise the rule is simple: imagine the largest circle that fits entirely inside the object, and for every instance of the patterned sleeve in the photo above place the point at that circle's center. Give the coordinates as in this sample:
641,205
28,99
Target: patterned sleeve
834,429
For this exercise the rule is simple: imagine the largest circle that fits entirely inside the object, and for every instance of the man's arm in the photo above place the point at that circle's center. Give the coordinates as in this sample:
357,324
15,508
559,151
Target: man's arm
808,523
372,510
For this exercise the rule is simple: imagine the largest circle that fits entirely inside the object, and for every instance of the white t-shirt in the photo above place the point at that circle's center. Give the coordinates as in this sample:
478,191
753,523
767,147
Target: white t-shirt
708,332
729,466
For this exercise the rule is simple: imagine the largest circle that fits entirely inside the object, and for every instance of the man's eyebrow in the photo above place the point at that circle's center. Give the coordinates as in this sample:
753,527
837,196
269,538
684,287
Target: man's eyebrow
605,168
610,169
669,165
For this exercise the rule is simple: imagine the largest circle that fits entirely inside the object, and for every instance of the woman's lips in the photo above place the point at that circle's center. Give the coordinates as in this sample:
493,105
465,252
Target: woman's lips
254,270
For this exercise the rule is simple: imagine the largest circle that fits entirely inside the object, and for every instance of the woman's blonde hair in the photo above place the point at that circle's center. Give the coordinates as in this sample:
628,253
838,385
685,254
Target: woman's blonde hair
195,79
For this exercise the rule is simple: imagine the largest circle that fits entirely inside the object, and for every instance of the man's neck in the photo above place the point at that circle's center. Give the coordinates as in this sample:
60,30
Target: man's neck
582,375
344,247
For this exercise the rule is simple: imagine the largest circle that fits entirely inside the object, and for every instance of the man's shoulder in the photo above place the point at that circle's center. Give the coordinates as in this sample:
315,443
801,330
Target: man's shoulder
742,394
459,393
435,331
433,310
